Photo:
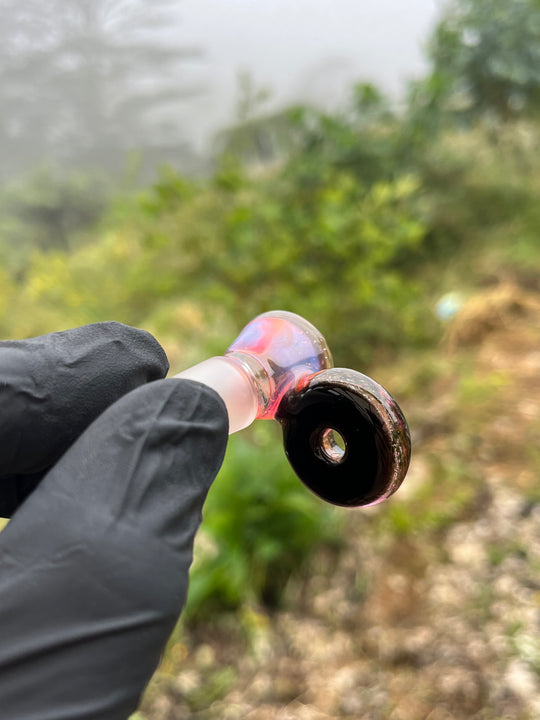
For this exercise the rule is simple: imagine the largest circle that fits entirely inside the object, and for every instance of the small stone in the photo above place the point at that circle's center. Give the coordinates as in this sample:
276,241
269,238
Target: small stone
205,656
187,681
521,680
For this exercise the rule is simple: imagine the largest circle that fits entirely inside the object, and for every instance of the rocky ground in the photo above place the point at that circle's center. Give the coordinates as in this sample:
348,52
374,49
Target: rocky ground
432,609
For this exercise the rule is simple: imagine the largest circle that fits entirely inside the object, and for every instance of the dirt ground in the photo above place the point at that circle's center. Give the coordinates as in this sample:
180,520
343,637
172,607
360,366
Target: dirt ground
432,609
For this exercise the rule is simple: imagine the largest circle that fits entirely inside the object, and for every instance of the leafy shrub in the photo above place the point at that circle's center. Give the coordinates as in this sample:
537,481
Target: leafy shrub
339,254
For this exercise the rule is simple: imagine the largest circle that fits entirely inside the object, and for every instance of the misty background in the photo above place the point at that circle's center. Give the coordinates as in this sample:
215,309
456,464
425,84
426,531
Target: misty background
83,83
302,51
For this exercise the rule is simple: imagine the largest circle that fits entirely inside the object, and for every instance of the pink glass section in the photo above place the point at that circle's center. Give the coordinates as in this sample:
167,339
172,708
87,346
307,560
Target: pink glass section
280,350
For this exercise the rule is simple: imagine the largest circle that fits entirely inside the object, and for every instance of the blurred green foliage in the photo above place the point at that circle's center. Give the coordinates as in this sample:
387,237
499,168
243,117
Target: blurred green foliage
48,210
365,222
487,55
234,247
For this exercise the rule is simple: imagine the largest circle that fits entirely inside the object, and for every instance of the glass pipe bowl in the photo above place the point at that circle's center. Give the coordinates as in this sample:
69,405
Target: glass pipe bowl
279,349
344,435
274,353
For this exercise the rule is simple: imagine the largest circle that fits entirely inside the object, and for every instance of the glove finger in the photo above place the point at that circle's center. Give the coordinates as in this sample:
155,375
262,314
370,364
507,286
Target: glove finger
53,386
89,597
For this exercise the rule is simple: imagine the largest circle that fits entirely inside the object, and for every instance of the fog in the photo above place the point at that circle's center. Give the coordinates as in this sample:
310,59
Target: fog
83,83
309,50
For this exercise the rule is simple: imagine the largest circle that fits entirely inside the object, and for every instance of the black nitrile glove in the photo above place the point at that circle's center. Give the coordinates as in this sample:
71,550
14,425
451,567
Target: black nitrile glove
94,564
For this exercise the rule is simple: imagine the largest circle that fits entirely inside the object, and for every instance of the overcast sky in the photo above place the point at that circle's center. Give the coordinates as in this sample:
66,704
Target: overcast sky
300,49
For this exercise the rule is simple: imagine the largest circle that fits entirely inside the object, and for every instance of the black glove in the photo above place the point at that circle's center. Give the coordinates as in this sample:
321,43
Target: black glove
94,564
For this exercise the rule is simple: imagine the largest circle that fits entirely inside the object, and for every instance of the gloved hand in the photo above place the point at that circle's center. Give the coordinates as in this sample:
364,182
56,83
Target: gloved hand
105,468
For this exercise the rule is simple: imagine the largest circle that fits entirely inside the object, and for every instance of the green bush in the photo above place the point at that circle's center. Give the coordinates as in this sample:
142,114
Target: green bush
340,255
